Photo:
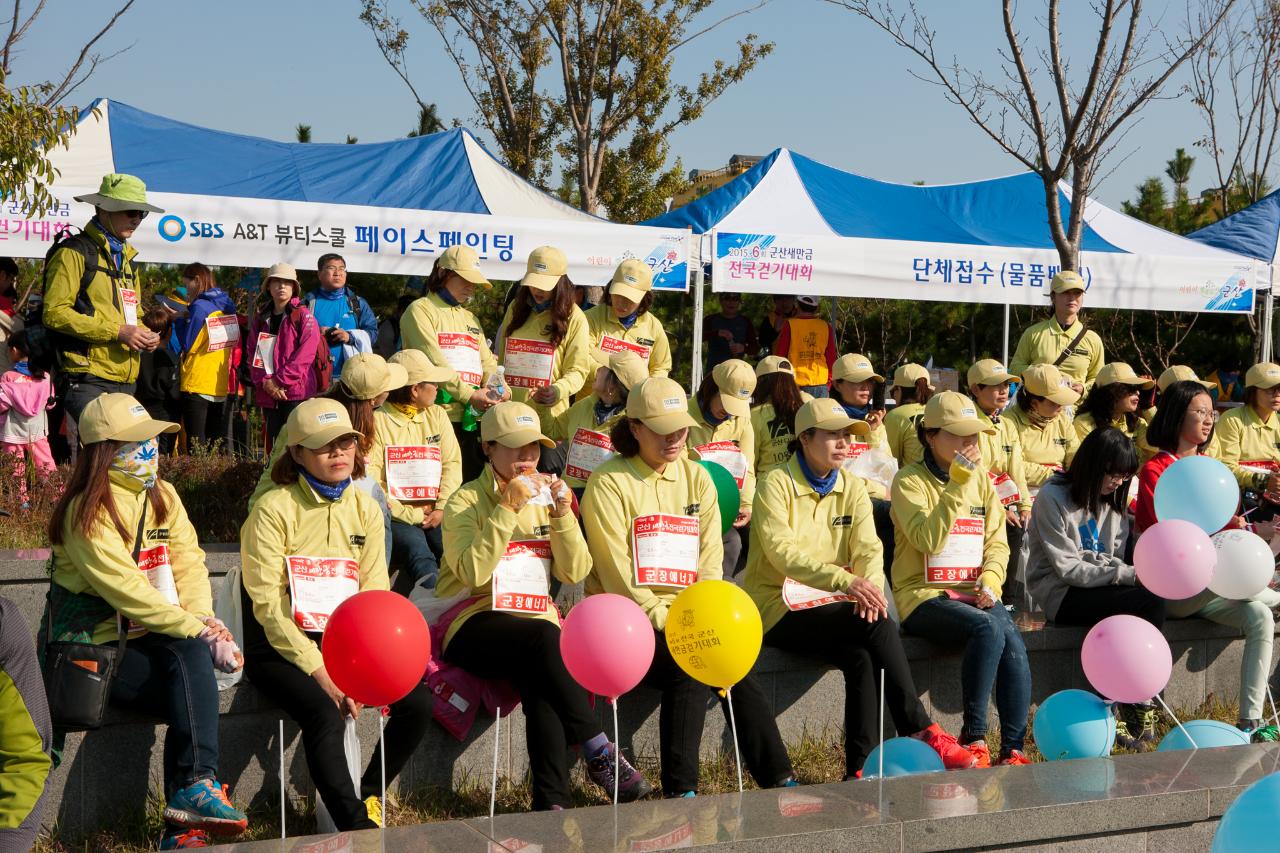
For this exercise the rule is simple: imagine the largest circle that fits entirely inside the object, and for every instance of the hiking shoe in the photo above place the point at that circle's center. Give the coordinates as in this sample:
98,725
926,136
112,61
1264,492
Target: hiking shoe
373,806
1012,758
176,838
204,805
1147,717
631,783
979,750
954,756
1265,734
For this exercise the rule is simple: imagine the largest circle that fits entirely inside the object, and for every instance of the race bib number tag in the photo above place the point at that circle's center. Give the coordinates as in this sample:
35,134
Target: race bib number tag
960,560
587,451
608,343
318,585
729,455
413,472
154,563
1260,466
1005,488
797,596
223,332
264,353
462,352
856,449
129,306
528,363
521,580
665,550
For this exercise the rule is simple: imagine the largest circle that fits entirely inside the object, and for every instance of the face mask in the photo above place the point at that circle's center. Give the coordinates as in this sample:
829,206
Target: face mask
139,460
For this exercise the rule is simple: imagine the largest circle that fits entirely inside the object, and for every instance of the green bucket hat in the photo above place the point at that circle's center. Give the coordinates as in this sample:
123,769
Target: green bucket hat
120,192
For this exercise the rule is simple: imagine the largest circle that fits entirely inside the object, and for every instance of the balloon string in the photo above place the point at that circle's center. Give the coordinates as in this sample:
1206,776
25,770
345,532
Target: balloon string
617,752
733,725
281,742
493,784
881,772
382,755
1185,733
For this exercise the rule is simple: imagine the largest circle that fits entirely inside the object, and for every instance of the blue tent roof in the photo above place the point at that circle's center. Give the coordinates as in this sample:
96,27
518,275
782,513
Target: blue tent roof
1253,231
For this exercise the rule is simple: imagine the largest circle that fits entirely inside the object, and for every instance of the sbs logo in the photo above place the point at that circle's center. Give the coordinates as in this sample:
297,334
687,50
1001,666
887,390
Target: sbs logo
171,228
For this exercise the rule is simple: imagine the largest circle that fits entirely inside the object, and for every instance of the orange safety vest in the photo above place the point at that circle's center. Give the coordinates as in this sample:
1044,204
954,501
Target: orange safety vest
808,350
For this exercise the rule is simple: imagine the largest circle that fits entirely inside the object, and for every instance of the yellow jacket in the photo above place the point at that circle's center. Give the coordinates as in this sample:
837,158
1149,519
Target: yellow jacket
900,430
429,427
295,521
735,429
581,415
1043,342
772,437
205,372
1242,436
477,531
420,329
820,542
1085,424
571,364
923,510
102,564
1002,454
646,332
622,490
1043,449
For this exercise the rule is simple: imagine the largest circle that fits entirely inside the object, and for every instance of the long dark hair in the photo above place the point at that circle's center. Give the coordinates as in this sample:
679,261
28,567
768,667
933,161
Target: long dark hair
781,390
1101,404
19,341
624,442
562,305
1165,430
438,278
919,393
91,484
1105,451
706,391
361,412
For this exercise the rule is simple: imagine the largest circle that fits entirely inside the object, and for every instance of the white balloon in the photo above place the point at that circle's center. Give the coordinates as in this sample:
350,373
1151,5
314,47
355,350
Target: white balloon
1245,564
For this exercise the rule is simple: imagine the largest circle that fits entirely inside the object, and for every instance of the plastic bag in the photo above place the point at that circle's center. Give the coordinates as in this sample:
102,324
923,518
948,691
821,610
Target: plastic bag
227,608
875,465
351,748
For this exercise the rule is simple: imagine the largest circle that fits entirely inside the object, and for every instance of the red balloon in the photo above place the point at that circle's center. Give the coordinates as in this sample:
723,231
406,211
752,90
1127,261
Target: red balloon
376,646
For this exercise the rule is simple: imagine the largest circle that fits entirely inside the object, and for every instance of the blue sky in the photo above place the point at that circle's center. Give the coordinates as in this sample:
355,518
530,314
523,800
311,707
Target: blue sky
835,88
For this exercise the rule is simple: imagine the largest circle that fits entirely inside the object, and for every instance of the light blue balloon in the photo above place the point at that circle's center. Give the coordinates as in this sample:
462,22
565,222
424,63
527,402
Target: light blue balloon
1074,724
1205,733
1250,824
1198,489
903,756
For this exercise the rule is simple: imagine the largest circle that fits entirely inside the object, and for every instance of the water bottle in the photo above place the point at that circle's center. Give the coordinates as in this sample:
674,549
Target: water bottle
496,387
965,462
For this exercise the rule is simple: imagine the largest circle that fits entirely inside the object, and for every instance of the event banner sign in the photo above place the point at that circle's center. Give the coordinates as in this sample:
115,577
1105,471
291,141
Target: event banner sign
230,231
947,272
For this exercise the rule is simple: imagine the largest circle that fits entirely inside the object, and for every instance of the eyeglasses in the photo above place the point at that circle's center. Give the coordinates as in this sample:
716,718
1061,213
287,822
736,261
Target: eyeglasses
1204,414
333,268
135,214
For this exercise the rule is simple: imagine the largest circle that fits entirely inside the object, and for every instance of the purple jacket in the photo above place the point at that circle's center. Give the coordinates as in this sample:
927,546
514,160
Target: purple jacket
295,354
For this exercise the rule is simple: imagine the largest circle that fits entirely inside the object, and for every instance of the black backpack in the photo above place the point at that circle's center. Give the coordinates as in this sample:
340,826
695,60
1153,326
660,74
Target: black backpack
45,343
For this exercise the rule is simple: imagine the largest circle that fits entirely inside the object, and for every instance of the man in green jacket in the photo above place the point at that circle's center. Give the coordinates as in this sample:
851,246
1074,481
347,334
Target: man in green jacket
96,318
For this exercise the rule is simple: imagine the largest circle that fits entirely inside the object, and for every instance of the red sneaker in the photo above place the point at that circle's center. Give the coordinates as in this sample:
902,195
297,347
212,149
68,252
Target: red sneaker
978,749
1013,757
954,756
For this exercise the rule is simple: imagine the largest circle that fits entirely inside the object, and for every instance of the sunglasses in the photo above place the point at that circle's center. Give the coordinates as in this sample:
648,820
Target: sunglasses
135,214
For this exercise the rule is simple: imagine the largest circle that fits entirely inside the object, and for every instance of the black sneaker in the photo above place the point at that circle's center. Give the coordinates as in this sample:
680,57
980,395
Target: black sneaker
631,782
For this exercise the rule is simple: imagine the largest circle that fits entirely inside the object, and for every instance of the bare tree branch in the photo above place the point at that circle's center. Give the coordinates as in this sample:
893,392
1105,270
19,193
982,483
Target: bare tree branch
64,88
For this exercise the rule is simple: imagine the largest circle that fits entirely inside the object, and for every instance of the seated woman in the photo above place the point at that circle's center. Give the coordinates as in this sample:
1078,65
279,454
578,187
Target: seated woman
1171,376
1183,427
503,546
911,391
857,386
314,526
773,411
124,551
623,321
1048,439
653,482
1248,440
815,573
949,571
1114,401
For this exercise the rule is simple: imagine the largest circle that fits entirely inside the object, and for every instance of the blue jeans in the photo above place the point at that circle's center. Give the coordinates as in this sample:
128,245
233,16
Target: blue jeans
417,551
817,391
993,657
165,677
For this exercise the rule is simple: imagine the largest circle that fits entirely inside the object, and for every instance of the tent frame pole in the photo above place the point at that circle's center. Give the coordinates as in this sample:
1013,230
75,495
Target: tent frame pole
1268,311
1005,359
699,276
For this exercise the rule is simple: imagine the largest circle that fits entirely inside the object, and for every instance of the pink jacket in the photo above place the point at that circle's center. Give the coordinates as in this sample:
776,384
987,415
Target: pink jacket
295,354
457,694
23,402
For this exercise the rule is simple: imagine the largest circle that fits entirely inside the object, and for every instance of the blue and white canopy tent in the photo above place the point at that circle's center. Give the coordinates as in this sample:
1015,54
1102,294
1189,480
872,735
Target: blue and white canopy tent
387,207
791,224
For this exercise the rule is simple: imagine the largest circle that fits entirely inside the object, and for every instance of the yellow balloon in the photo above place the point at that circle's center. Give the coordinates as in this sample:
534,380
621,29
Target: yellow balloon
714,632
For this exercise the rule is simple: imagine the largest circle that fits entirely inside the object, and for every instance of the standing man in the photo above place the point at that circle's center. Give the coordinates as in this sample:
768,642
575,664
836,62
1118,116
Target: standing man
1062,340
784,306
729,334
345,319
92,296
807,342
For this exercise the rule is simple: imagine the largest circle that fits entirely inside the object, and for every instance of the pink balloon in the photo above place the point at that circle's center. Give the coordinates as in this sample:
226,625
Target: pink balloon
1126,659
1175,559
607,644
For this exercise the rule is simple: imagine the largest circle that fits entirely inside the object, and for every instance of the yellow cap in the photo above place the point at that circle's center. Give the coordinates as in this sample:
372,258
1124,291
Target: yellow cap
954,413
546,265
119,417
512,424
907,375
284,272
1179,373
419,368
626,364
1045,380
825,413
1263,375
736,380
854,367
632,280
464,261
660,404
1067,280
1118,371
988,372
774,364
318,421
366,375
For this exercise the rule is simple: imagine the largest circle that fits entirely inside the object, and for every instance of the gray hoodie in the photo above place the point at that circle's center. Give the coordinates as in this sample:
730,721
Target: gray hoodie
1069,547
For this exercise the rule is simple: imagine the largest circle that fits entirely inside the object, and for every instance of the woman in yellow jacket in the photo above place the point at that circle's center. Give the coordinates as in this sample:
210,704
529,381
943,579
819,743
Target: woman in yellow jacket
441,327
209,332
584,427
1114,401
1247,438
308,545
1048,438
623,320
911,390
653,526
773,411
415,459
854,385
125,553
504,542
814,572
722,433
949,572
546,346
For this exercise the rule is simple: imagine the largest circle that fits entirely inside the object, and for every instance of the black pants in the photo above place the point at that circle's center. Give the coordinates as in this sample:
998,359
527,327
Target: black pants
84,388
276,416
203,420
681,718
884,532
1015,590
473,458
1087,606
836,635
526,652
323,728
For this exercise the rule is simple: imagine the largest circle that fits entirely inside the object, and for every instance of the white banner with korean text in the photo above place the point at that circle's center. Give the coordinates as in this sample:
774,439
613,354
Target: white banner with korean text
947,272
231,231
